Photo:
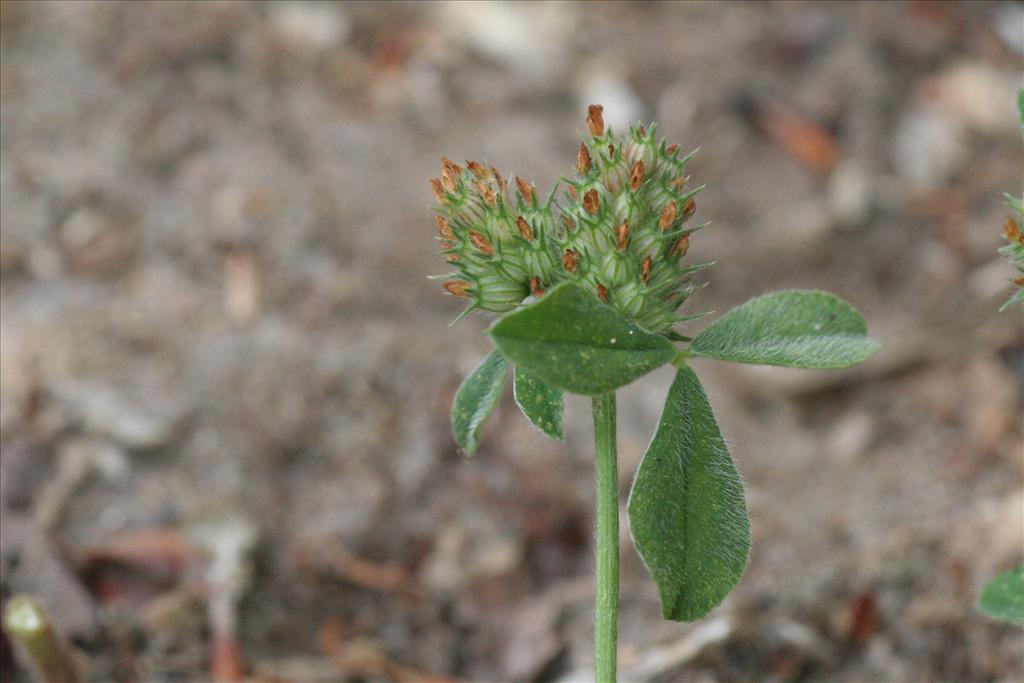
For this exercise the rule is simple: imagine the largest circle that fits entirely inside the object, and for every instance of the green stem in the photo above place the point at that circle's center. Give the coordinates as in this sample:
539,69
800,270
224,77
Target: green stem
607,593
28,625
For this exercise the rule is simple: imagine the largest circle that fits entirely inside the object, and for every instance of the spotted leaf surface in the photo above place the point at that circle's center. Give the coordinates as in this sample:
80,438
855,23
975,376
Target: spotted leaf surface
543,405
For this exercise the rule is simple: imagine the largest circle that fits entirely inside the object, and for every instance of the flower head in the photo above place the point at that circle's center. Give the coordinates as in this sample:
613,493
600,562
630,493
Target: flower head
620,228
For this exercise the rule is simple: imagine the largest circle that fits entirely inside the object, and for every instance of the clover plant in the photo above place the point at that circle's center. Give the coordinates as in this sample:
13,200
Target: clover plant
588,287
1014,249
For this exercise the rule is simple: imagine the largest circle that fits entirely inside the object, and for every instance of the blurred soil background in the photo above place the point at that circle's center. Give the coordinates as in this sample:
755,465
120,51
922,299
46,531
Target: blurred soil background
226,381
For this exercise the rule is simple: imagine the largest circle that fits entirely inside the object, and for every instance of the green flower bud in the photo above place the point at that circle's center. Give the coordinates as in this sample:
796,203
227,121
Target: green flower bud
628,299
613,270
619,230
498,294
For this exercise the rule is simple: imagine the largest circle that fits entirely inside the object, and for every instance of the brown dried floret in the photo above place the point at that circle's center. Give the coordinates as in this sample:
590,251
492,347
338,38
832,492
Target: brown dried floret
583,159
668,216
448,181
524,228
690,208
443,228
622,236
478,170
438,191
645,269
497,176
536,287
1012,230
456,287
595,120
569,260
602,292
525,190
591,203
681,246
480,242
636,178
450,165
487,193
450,171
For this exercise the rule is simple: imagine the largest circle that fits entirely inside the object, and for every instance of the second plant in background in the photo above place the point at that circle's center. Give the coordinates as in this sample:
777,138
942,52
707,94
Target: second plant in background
1002,598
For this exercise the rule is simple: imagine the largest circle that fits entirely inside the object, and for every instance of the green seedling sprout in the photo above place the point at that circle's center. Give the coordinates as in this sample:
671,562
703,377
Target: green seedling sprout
588,287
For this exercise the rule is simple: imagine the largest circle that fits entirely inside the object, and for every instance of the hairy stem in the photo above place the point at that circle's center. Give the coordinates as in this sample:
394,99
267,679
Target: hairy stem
607,593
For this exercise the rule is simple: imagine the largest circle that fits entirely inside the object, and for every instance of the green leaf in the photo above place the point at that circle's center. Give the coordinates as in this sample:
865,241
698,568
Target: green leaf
1003,597
541,404
476,399
686,510
571,341
803,329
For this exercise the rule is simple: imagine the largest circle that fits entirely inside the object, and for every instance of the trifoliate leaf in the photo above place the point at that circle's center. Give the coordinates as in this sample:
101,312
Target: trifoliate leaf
686,510
803,329
476,399
571,341
542,405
